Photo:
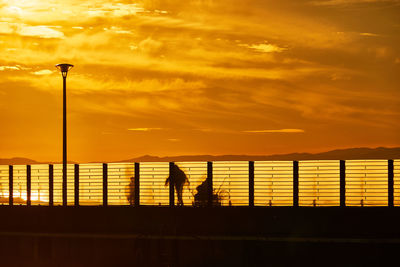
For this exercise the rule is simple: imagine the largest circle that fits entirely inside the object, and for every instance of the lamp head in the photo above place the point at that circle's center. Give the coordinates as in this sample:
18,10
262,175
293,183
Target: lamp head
64,68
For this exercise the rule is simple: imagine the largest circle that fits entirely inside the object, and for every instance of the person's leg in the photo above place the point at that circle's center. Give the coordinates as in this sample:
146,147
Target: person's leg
179,190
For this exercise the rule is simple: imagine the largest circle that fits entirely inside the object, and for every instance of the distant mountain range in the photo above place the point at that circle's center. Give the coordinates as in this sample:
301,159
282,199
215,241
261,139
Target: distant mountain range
345,154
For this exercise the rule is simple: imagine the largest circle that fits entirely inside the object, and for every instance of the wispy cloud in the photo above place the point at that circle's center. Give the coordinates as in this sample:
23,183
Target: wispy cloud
369,34
40,31
42,72
264,48
3,68
277,131
22,29
143,129
118,30
115,10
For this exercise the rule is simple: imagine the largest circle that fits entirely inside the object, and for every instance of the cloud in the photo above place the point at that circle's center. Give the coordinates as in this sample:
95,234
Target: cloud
277,131
133,47
118,30
369,34
143,129
115,10
42,72
3,68
22,29
40,31
86,84
6,28
264,48
150,46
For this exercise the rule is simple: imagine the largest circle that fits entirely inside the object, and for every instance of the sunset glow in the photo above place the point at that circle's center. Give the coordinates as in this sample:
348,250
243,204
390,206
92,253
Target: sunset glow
198,77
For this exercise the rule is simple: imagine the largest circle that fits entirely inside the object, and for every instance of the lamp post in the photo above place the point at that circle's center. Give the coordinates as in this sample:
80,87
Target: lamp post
64,68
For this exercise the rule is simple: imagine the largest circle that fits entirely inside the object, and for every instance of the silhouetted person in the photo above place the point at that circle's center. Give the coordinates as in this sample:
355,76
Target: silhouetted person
131,191
178,178
201,197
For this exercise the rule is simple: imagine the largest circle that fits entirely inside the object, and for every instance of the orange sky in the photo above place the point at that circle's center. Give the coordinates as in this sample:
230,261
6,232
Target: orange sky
198,77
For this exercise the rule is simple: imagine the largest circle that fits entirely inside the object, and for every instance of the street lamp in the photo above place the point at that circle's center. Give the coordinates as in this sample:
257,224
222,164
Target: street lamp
64,68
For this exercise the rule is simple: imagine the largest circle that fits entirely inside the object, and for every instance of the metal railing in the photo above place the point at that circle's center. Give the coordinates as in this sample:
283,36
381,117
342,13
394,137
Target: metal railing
232,183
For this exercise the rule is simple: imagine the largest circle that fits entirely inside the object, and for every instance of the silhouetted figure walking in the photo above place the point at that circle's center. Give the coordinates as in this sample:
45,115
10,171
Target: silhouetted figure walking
178,178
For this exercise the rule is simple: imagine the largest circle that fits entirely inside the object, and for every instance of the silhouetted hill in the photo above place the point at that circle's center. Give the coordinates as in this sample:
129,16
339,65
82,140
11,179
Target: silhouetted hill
346,154
17,161
25,161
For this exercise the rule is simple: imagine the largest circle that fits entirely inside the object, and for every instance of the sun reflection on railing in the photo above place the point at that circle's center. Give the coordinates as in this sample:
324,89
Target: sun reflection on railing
20,197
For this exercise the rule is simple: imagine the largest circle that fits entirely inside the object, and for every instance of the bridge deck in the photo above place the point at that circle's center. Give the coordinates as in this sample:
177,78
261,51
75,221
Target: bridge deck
186,236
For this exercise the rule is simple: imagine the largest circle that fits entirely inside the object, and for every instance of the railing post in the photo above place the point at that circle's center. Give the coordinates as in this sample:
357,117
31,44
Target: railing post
251,183
342,183
390,183
295,183
105,184
28,185
171,185
10,185
210,190
137,184
76,185
51,185
64,185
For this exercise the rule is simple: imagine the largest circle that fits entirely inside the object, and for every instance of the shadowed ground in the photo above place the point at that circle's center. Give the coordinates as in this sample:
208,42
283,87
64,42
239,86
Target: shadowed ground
234,236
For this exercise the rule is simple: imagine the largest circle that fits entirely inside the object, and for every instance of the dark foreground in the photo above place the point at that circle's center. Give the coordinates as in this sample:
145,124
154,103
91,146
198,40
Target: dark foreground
231,236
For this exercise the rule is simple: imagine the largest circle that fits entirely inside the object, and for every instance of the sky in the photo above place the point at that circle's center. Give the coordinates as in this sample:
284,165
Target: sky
171,77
